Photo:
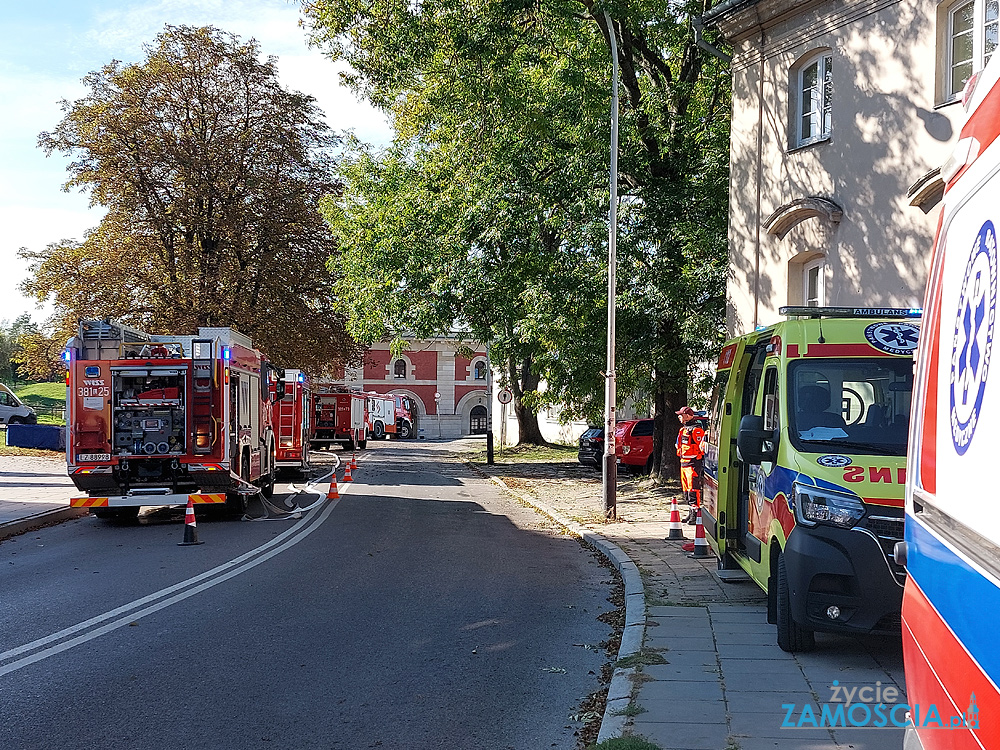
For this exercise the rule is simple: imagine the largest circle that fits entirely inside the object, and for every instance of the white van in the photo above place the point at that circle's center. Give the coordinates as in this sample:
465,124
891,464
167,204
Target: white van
952,548
12,411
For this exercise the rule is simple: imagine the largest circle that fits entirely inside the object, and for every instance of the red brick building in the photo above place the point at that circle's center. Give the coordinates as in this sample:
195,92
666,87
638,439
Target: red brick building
450,390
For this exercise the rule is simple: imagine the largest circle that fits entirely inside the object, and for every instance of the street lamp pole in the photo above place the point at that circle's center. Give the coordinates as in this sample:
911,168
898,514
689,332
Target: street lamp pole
610,388
489,411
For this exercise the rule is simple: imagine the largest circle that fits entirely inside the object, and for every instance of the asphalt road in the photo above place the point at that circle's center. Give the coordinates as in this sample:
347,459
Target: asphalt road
423,610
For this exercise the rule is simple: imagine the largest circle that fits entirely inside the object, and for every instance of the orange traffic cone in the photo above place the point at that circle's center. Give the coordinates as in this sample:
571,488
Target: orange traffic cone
347,472
333,494
676,529
190,526
354,461
700,543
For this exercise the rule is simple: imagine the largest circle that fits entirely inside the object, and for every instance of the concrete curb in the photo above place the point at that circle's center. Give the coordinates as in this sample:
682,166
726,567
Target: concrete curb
620,689
45,518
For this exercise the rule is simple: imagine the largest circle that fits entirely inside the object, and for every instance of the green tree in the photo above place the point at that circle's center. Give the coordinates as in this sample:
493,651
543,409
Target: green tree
435,240
464,71
211,173
10,345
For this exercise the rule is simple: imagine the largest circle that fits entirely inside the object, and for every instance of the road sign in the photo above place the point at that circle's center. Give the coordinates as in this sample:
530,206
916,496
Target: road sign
505,396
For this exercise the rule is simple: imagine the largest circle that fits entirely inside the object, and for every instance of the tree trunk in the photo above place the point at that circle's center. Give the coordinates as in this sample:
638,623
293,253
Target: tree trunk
671,395
671,399
523,381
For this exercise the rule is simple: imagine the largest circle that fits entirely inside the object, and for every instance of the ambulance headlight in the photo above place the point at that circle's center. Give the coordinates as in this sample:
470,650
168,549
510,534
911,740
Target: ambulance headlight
814,505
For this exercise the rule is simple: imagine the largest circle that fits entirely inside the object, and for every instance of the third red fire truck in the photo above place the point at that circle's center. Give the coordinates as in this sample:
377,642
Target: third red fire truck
339,416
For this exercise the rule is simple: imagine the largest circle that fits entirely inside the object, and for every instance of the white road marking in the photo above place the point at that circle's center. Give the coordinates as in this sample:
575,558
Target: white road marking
206,580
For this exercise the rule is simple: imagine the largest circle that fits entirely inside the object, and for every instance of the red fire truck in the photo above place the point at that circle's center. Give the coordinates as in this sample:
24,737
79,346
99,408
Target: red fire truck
292,422
381,415
339,417
156,420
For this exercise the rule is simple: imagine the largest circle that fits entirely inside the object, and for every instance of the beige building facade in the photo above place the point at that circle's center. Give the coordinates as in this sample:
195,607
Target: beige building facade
843,113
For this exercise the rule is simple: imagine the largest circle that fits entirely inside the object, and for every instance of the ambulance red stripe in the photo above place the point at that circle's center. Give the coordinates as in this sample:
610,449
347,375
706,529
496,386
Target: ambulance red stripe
945,677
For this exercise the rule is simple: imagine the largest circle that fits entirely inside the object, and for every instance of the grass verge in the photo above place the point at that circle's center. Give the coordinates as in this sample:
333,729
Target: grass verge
625,743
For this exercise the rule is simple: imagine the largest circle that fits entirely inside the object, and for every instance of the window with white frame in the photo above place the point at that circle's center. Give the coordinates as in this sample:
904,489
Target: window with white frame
479,370
814,99
399,369
972,38
813,286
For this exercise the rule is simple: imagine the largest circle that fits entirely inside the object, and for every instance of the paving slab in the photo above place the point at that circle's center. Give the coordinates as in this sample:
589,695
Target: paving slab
682,690
769,724
767,682
772,666
757,701
694,673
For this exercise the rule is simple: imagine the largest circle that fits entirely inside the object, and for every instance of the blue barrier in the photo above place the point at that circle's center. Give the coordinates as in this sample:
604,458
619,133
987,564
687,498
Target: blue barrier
43,436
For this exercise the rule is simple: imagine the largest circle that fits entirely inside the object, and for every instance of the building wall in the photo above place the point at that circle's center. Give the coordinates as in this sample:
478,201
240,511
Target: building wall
432,367
888,130
435,367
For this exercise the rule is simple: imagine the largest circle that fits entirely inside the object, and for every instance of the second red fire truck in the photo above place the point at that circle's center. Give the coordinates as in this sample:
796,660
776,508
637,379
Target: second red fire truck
293,422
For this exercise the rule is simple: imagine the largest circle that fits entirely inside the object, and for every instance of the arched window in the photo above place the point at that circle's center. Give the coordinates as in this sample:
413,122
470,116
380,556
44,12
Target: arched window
479,372
477,420
399,369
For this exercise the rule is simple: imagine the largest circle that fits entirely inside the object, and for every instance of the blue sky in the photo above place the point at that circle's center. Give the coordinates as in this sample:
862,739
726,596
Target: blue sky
48,46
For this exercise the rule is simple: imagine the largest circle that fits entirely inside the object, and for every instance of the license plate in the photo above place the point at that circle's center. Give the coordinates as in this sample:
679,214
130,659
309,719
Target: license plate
93,457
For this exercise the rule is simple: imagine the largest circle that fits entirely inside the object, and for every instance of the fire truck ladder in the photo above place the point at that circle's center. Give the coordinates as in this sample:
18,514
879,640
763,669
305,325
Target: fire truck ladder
205,384
286,419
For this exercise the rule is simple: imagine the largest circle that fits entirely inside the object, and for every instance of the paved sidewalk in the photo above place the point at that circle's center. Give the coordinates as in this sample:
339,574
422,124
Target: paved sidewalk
34,491
709,675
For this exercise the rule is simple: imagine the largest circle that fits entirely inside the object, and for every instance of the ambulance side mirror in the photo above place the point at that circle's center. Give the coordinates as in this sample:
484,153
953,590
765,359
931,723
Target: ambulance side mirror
751,438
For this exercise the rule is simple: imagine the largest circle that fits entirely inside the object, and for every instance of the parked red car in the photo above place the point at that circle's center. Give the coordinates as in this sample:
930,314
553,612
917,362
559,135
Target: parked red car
634,444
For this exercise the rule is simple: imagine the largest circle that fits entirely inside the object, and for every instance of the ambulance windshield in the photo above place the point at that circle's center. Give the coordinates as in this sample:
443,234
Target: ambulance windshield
851,406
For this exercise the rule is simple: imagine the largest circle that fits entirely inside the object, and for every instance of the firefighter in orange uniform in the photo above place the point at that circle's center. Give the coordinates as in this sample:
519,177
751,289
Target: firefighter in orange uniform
691,451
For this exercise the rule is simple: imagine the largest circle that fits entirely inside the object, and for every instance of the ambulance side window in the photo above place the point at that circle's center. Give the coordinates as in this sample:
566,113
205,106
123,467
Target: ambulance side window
769,404
713,435
718,408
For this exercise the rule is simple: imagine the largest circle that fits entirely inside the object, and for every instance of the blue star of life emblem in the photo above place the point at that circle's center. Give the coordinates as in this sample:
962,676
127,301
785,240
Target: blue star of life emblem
893,338
973,340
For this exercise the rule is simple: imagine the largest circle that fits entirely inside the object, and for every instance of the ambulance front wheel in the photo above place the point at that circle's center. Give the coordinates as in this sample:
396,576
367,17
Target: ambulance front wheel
792,637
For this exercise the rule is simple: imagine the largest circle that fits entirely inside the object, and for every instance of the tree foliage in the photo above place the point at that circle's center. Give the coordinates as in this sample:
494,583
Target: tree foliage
11,335
211,173
521,89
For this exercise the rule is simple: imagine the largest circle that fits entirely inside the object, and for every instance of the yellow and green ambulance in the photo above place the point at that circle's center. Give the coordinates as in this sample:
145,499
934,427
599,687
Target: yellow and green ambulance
805,466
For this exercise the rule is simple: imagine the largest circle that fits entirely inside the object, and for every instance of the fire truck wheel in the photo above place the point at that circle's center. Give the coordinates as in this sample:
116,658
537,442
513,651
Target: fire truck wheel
267,485
236,502
404,430
792,637
378,431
